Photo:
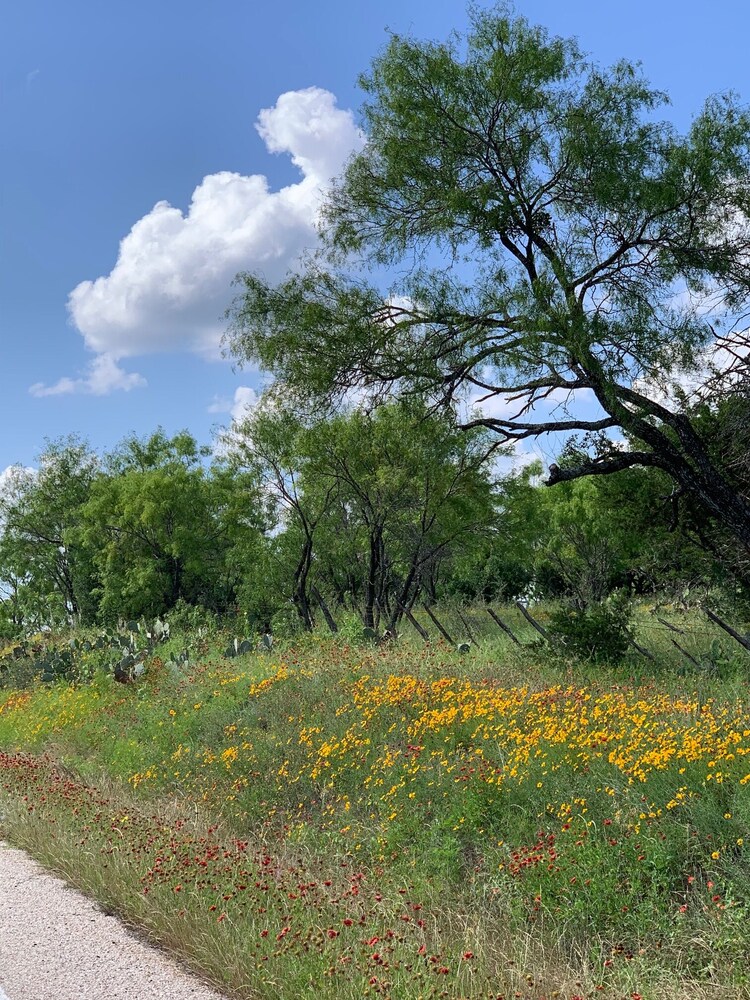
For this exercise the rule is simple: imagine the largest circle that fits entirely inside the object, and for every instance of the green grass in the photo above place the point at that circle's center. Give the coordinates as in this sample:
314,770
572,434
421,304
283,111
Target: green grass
328,820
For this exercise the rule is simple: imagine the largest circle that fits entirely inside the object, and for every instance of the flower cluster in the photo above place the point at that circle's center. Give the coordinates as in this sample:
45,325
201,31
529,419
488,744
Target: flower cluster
611,812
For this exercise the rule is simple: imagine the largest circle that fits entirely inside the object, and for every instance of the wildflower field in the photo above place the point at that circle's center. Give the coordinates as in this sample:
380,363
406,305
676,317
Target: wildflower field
350,821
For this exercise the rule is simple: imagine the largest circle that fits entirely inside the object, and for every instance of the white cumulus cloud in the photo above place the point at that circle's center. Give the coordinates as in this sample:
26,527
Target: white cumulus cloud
171,283
244,400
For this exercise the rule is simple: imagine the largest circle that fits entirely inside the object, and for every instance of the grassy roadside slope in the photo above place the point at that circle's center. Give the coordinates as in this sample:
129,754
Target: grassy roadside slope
342,821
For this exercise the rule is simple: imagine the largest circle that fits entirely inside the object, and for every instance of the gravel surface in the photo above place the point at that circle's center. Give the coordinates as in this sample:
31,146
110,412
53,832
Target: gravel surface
55,944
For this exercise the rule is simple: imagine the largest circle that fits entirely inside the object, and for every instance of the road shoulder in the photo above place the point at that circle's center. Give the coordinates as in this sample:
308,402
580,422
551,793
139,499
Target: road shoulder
56,944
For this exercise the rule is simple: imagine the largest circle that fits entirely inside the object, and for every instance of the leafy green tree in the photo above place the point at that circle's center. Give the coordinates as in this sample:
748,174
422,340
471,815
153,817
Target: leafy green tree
272,443
723,419
46,574
568,217
371,503
501,564
160,527
410,490
585,539
582,547
649,544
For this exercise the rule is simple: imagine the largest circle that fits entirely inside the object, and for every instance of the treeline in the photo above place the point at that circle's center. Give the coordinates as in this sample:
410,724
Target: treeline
601,264
297,521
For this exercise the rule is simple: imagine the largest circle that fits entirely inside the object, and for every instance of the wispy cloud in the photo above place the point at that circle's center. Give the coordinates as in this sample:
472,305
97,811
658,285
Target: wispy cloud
102,377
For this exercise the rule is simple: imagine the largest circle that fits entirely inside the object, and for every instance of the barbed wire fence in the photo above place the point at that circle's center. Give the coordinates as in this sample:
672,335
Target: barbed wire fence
691,634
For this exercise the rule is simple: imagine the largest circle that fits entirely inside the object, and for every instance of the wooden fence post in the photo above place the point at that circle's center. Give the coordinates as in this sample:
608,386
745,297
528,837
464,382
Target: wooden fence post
422,631
685,653
438,626
741,639
466,625
672,628
641,650
531,621
501,624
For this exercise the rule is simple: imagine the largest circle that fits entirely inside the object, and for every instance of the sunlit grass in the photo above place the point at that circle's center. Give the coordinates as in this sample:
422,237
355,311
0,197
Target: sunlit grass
351,821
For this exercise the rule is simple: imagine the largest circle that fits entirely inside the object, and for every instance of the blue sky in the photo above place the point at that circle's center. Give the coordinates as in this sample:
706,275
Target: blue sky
107,111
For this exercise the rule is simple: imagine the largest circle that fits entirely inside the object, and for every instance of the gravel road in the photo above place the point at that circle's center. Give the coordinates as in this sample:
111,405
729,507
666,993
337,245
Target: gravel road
55,944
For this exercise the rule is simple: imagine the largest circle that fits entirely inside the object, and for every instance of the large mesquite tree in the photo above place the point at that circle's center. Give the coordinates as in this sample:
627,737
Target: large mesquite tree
553,234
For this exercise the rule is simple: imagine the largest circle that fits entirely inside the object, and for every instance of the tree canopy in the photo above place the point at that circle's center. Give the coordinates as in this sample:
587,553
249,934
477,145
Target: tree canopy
549,233
372,504
43,566
162,527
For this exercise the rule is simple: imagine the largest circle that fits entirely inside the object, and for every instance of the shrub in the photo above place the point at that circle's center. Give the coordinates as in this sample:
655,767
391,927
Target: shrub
286,623
185,617
599,633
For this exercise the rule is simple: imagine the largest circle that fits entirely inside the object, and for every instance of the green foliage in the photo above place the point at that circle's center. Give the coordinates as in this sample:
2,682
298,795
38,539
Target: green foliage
580,210
373,506
285,623
372,509
598,632
194,618
46,575
350,629
161,528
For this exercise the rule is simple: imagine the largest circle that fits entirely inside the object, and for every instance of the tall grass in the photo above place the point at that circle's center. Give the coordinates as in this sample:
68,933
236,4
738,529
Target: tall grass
342,820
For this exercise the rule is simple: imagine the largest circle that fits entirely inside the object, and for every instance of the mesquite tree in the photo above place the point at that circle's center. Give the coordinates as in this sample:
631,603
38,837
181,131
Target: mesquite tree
373,504
550,234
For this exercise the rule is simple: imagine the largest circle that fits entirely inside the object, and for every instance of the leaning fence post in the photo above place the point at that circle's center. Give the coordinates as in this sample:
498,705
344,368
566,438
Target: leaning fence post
531,621
501,624
641,650
672,628
685,652
422,631
466,625
745,643
439,627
